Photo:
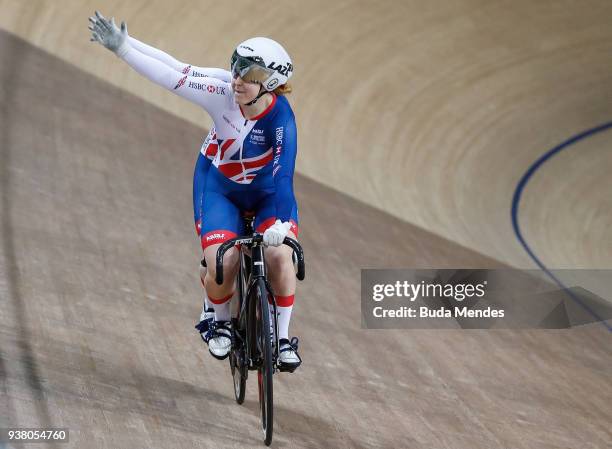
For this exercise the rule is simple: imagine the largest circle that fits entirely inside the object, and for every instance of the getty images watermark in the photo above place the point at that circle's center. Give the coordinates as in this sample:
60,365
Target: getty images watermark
483,299
410,292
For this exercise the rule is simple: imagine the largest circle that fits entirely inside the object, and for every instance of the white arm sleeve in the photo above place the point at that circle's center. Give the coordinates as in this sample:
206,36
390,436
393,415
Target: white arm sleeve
210,93
186,69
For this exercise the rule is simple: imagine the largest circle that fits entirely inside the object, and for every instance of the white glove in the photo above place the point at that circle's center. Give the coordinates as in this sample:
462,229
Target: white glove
106,33
275,234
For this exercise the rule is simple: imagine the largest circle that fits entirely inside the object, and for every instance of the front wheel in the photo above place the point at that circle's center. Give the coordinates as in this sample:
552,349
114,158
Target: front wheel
264,370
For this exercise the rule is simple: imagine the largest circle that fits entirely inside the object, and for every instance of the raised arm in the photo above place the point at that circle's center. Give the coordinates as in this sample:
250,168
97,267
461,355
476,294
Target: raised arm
186,69
212,95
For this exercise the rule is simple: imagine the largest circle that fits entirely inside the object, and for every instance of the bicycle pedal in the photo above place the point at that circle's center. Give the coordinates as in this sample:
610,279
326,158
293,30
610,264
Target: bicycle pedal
283,368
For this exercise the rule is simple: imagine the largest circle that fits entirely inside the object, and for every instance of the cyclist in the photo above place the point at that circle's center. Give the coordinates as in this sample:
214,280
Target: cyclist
254,146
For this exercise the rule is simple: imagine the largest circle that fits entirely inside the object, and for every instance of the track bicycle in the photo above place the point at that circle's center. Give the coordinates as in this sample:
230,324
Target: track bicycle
255,343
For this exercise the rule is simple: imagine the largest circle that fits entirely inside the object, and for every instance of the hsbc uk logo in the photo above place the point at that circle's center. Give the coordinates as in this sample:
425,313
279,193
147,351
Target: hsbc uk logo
278,149
216,90
219,90
195,74
279,137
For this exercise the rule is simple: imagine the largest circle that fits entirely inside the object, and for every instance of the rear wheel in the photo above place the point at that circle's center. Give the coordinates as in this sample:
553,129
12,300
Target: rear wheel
264,371
237,358
239,374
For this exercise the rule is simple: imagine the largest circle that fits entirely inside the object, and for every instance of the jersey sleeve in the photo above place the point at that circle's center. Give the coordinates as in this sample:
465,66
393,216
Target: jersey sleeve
203,164
284,140
184,68
155,53
210,93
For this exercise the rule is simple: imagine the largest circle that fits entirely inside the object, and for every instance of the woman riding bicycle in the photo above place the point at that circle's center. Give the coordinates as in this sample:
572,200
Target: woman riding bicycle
246,164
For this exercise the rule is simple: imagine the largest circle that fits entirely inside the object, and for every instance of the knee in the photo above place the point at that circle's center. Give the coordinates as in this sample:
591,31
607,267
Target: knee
228,269
230,264
278,258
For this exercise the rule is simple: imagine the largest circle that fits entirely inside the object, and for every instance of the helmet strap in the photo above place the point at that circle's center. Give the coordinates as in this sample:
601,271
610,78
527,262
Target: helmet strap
259,95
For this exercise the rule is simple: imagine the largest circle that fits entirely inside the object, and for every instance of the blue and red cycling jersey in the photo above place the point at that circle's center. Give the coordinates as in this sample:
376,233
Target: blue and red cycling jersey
246,165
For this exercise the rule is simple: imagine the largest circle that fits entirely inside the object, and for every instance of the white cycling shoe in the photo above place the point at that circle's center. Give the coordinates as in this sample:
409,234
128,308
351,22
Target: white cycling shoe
288,357
204,327
220,340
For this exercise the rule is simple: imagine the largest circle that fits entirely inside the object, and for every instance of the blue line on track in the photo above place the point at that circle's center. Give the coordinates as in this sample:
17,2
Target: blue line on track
516,199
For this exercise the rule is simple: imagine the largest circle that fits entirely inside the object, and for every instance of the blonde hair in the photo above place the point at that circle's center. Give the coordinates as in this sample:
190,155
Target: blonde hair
283,89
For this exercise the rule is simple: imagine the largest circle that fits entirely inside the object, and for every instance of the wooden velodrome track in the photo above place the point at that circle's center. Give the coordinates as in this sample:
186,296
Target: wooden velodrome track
428,113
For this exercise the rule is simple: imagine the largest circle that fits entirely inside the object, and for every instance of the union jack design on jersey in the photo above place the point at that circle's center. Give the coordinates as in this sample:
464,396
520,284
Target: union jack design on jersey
231,163
210,145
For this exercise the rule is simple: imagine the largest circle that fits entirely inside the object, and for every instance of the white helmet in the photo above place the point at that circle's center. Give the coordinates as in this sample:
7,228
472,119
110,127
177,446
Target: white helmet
262,60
